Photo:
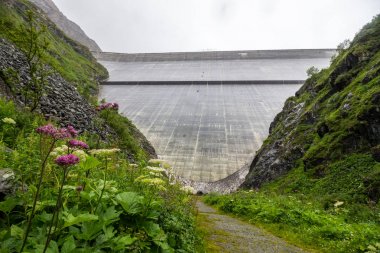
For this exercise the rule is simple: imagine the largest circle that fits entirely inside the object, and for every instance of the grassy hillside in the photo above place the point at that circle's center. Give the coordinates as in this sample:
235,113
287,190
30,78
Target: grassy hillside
319,171
70,59
101,203
93,192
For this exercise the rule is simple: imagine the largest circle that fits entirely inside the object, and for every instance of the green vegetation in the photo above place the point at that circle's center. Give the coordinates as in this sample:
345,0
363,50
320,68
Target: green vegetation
324,222
329,198
35,49
70,59
101,204
128,137
208,233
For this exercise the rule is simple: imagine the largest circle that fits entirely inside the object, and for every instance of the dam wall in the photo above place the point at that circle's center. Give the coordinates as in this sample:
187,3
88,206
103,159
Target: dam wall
207,113
216,55
232,67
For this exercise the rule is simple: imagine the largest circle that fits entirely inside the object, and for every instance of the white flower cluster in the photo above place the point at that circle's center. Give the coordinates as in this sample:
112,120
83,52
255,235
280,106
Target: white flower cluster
156,169
9,121
61,150
104,152
64,149
188,189
155,181
159,163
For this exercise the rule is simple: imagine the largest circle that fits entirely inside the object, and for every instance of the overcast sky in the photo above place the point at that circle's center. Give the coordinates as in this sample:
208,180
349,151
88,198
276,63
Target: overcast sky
133,26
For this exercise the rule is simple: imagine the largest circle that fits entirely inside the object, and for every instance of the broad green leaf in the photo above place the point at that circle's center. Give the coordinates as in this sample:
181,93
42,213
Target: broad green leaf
90,163
153,214
158,235
151,228
17,232
73,220
45,217
8,205
90,230
89,195
110,215
53,247
122,242
130,201
69,245
9,245
109,233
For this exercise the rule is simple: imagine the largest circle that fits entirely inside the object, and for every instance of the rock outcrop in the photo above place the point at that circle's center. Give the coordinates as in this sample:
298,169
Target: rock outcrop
70,28
335,114
7,182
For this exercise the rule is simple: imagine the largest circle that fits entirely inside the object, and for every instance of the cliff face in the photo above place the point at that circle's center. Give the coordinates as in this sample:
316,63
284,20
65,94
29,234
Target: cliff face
70,28
334,117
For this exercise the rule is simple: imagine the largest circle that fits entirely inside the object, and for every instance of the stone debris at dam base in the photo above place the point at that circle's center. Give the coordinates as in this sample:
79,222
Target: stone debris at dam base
207,113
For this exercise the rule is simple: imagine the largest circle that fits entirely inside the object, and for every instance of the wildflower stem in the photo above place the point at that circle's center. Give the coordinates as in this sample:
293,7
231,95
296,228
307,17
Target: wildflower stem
104,187
56,210
43,166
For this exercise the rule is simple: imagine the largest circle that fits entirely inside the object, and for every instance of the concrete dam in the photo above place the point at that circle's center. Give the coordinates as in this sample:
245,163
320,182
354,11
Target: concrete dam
206,113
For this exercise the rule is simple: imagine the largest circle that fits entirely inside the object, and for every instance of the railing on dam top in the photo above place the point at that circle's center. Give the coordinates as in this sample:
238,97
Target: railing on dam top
253,82
216,55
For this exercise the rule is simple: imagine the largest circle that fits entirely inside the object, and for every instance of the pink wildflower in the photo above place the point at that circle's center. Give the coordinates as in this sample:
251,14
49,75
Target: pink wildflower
104,106
57,133
72,131
62,133
48,129
67,160
78,144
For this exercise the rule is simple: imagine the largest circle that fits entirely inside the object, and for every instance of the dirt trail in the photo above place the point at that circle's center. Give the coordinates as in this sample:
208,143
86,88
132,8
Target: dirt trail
226,234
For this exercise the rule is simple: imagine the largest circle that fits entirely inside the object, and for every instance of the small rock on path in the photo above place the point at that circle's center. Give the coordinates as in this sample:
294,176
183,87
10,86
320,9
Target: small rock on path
232,235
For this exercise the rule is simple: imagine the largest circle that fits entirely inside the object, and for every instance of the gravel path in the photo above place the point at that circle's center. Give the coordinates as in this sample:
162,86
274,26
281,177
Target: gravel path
227,234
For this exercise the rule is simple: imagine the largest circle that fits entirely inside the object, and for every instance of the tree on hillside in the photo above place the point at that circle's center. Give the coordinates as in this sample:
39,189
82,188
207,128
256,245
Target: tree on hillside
34,44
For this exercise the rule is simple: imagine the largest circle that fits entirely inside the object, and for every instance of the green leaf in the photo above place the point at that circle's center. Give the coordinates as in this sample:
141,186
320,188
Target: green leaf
69,245
158,235
90,230
151,228
53,247
73,220
17,232
122,242
8,205
90,163
89,195
130,201
45,217
110,215
109,233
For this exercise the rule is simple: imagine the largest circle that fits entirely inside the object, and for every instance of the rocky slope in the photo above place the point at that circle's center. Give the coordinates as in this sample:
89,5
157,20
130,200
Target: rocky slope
72,81
331,127
61,102
70,28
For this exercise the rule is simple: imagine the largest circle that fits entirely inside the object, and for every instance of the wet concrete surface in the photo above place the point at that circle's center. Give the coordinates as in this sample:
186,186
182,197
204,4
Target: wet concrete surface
206,132
255,69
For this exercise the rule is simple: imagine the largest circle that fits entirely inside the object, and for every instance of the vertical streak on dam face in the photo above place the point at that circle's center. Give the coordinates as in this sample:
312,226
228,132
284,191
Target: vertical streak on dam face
206,132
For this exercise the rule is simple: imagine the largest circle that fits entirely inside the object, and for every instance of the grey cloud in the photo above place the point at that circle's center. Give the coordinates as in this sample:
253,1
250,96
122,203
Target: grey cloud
193,25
